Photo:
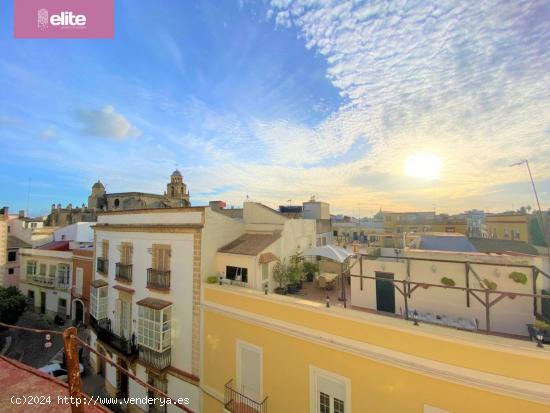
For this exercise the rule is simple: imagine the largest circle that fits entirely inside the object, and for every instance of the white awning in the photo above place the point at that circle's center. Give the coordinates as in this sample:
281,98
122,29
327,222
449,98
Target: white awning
330,252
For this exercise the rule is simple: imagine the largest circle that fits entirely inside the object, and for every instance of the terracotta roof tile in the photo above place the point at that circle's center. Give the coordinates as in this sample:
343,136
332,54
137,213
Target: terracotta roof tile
154,303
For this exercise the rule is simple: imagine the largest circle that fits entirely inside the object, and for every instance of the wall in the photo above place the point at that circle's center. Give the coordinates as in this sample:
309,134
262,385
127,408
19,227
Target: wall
456,371
500,225
3,246
507,316
80,232
154,216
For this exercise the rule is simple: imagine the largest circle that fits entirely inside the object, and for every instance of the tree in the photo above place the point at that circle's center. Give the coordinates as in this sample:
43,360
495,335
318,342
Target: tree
280,273
12,305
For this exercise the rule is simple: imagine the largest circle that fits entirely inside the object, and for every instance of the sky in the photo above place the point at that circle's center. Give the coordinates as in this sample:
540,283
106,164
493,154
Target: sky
276,101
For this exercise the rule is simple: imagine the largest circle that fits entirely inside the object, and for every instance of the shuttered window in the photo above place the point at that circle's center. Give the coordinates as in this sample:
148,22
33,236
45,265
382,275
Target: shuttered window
161,257
126,252
105,249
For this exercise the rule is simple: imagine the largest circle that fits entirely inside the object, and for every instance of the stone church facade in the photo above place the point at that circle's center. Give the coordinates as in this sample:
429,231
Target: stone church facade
176,195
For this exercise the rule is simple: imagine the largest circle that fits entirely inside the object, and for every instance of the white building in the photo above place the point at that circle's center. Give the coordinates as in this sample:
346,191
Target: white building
145,299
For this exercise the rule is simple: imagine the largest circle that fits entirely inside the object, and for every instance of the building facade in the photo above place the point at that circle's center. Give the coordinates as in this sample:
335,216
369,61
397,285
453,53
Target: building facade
83,267
145,296
176,195
46,280
3,245
271,353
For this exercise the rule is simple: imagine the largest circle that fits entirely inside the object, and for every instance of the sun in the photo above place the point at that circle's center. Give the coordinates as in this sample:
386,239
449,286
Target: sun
423,165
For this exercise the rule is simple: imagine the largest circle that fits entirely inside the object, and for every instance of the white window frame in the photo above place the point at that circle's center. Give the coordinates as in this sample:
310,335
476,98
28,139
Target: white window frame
163,343
256,349
314,374
98,304
33,265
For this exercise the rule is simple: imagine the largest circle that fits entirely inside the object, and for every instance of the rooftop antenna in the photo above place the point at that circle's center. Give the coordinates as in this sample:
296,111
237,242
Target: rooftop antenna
28,195
289,202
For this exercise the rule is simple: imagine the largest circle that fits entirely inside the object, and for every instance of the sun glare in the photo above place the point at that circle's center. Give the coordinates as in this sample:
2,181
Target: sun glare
423,165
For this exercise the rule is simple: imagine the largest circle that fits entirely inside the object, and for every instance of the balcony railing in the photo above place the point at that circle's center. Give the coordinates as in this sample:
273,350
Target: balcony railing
103,330
156,359
123,272
236,402
102,265
158,279
41,280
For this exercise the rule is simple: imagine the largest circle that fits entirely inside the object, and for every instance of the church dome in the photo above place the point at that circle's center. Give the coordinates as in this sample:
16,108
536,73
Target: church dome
176,173
98,184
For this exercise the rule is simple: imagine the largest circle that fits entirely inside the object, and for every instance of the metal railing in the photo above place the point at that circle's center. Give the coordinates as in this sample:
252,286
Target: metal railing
103,330
156,359
123,272
42,280
102,265
158,279
236,402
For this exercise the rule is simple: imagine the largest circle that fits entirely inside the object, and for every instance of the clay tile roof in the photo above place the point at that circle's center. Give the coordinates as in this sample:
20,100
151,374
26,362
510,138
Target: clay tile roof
17,379
14,242
267,257
98,283
125,289
154,303
250,244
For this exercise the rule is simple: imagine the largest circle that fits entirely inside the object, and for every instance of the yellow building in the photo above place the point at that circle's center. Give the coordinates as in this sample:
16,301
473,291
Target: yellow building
512,226
271,353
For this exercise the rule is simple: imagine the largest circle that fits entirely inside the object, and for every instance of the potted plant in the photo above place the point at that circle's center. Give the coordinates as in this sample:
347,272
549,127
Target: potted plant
310,268
518,277
295,270
491,285
212,279
448,282
280,276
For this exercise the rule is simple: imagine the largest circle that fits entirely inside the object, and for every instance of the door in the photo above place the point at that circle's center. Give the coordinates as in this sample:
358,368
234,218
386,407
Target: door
30,295
42,302
385,293
122,380
249,371
79,312
79,282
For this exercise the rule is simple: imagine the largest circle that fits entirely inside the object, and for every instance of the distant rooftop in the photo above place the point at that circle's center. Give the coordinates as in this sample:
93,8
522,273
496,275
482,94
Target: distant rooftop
250,244
445,242
14,242
502,246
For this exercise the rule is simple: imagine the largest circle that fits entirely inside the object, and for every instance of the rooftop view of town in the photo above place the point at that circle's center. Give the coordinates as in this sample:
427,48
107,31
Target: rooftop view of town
275,206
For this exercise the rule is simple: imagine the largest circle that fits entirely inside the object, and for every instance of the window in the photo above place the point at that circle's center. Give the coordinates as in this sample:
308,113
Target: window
53,270
249,370
329,392
105,249
63,274
11,271
33,224
236,273
12,256
126,252
161,257
42,270
154,328
98,302
62,303
449,229
31,267
117,203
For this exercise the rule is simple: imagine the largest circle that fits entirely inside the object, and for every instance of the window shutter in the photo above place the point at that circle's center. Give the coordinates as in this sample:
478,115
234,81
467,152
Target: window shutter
161,257
105,248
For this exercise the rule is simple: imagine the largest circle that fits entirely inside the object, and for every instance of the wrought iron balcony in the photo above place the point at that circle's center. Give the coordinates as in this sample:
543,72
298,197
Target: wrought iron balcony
124,346
156,359
237,402
41,280
123,272
102,265
158,279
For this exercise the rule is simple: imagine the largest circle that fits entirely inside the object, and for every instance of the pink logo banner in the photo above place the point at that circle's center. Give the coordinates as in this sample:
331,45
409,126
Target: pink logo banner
63,19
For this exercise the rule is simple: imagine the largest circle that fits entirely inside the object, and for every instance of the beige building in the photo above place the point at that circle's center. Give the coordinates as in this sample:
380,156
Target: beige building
510,226
175,195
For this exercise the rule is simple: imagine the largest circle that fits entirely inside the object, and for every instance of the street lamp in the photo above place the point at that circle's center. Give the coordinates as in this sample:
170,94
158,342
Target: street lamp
415,317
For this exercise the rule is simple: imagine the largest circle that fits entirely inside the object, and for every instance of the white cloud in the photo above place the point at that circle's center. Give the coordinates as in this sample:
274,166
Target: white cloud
106,123
49,132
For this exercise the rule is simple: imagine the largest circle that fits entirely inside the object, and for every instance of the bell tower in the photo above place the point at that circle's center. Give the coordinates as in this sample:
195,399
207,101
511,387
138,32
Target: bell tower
176,190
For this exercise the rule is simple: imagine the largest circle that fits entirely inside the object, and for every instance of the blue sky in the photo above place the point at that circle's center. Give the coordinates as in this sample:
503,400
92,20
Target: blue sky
280,100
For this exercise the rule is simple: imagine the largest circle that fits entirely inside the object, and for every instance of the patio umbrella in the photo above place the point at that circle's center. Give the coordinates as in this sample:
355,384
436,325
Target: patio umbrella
330,252
333,253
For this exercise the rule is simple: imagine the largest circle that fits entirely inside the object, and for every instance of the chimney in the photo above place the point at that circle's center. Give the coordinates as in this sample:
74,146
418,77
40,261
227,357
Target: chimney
5,211
21,213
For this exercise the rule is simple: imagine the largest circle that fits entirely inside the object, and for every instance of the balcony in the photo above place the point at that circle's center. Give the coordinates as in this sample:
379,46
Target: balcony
156,359
103,330
158,279
41,280
123,272
236,402
102,265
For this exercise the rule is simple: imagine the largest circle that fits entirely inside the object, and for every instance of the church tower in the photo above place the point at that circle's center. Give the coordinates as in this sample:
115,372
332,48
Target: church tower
176,191
97,198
